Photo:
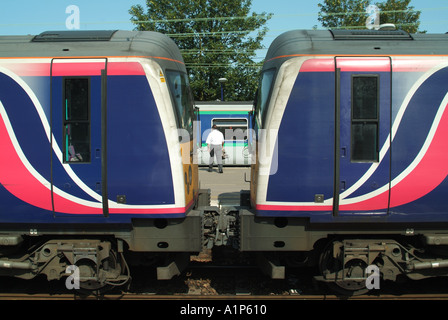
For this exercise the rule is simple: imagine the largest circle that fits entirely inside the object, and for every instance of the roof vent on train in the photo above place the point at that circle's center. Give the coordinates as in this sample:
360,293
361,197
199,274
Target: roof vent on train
387,27
74,36
371,35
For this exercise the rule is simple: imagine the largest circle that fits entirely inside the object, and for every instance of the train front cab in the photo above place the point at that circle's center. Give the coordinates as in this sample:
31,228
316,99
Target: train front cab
115,165
342,179
103,116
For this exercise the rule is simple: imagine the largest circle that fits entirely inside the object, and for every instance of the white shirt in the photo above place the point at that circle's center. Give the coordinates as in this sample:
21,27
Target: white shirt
215,137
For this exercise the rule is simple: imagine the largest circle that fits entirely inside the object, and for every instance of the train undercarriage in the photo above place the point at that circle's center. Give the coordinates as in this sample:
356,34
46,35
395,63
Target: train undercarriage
349,261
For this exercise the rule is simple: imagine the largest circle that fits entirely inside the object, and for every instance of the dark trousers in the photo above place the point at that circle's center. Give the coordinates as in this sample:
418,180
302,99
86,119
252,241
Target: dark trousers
215,150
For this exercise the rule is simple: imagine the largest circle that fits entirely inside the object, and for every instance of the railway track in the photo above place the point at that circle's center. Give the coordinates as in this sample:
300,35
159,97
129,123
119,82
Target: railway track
219,284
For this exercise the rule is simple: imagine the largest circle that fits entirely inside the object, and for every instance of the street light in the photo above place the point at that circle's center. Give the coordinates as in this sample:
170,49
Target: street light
222,81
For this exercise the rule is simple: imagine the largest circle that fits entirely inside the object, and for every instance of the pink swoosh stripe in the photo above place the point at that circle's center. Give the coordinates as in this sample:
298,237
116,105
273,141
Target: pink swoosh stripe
426,176
374,65
18,180
77,69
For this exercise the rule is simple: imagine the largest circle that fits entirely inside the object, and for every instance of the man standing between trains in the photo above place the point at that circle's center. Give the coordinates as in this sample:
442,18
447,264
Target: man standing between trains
215,143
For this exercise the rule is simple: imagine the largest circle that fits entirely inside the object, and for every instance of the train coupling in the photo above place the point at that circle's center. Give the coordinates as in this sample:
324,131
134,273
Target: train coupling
220,227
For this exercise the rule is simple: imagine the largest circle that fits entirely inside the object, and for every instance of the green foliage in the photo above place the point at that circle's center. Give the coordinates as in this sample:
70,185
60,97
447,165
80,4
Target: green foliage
401,14
217,39
342,13
352,14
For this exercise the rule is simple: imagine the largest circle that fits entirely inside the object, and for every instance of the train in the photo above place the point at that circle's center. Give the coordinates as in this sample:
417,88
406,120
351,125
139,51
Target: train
233,119
351,168
97,139
348,169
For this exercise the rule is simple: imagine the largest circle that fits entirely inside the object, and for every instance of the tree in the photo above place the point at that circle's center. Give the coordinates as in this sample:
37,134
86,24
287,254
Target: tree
218,39
351,14
342,13
401,14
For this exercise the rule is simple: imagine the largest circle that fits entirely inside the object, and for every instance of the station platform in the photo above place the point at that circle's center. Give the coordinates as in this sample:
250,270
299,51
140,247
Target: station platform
225,187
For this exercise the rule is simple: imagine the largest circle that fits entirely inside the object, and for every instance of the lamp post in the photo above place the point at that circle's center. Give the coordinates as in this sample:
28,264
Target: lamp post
222,81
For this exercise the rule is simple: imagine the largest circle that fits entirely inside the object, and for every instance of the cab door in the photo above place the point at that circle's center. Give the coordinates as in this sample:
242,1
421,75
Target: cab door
77,94
364,115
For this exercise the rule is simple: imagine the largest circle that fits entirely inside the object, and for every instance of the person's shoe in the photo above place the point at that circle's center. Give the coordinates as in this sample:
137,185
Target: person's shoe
209,170
220,171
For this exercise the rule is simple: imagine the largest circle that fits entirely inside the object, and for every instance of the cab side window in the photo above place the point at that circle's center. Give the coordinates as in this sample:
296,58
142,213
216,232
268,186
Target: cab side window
76,123
183,101
365,118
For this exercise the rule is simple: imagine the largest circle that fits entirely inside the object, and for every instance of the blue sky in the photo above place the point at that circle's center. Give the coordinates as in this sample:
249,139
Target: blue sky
32,17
